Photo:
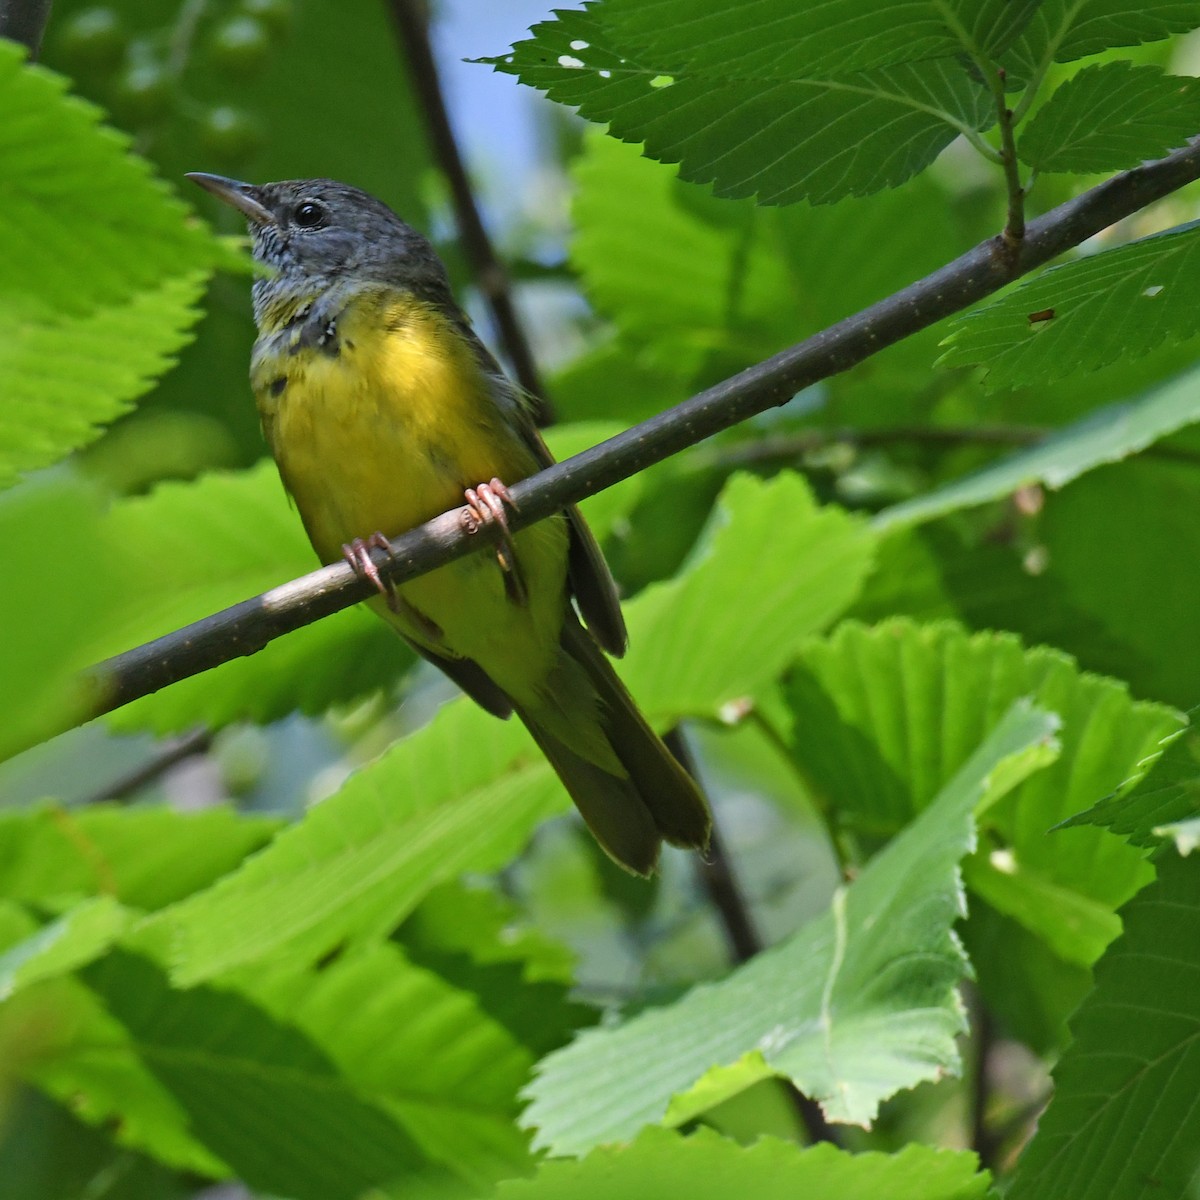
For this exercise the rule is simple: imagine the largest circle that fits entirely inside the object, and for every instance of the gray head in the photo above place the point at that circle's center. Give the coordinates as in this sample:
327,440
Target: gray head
315,233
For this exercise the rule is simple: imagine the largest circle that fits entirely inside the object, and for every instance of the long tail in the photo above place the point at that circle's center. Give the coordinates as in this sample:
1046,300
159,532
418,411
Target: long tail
652,799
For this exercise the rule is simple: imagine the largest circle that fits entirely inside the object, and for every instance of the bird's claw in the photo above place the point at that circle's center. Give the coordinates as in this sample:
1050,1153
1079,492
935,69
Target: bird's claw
358,554
486,506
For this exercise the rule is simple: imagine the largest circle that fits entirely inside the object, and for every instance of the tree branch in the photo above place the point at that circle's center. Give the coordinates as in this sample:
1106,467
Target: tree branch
411,18
249,626
24,21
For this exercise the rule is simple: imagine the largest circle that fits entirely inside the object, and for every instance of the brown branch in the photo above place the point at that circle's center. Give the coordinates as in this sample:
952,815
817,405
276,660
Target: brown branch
24,21
168,755
411,18
249,626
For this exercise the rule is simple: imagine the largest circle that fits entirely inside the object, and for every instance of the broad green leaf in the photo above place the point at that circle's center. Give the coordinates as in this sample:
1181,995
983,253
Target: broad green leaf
779,39
1110,117
462,794
478,941
100,270
426,1052
1110,534
43,628
860,1003
258,1092
1168,795
61,1038
1075,928
143,857
1086,313
76,938
48,1154
805,569
65,377
672,265
1063,30
705,1166
849,135
1104,436
1122,1121
883,717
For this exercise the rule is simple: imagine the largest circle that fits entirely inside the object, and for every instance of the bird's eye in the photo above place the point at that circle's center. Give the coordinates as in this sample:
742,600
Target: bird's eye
309,215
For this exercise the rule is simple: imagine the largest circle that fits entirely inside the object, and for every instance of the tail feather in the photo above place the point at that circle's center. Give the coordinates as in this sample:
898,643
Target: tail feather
652,798
610,804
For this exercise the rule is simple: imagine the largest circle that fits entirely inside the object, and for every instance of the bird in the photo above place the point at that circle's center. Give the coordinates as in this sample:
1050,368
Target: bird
383,409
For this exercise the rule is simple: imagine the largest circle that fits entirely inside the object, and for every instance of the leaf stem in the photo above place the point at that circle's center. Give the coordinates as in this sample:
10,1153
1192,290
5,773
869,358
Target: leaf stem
1014,228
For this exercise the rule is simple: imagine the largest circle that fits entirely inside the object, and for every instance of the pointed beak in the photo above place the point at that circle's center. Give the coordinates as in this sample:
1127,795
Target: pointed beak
241,196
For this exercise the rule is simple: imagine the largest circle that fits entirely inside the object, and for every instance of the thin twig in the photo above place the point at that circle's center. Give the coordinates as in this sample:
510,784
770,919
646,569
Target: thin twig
166,756
411,18
724,893
24,21
247,627
786,446
983,1139
1014,228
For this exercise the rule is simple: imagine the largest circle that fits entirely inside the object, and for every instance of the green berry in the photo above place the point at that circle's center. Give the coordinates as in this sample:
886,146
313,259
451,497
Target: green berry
240,46
91,42
230,135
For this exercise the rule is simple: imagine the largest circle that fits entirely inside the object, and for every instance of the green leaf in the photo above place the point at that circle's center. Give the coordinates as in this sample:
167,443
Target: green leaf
1110,117
860,1003
1063,30
1167,796
100,270
477,940
66,377
43,628
87,1060
883,717
47,1154
1118,303
1105,435
258,1092
143,857
805,571
80,936
427,1052
706,1166
1076,928
1122,1120
673,265
462,794
849,135
813,41
1112,533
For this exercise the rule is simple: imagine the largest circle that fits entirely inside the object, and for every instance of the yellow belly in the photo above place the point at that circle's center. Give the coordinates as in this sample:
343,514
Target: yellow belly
388,433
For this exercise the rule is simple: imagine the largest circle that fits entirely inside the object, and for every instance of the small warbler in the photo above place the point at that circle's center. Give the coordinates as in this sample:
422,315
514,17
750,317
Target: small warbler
383,409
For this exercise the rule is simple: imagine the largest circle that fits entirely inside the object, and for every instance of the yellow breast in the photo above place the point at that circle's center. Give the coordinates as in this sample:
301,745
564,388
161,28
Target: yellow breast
387,432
